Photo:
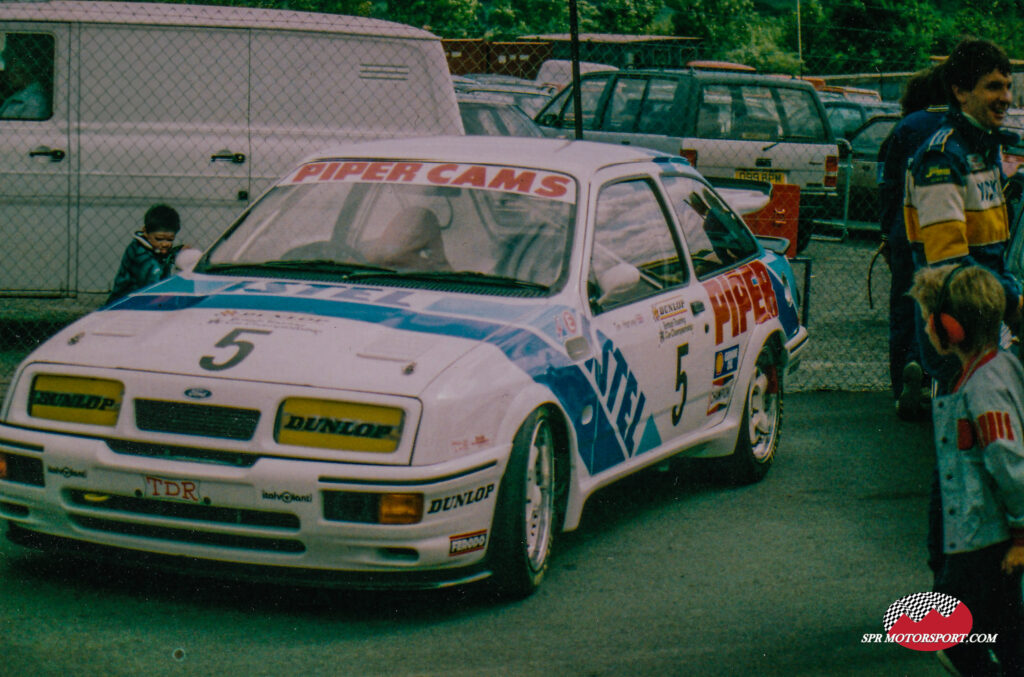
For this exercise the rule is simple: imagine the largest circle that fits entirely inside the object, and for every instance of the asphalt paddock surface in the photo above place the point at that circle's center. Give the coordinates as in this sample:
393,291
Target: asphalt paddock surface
670,573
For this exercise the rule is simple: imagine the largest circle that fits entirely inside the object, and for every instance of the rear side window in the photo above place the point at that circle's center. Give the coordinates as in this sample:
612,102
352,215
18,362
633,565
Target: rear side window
716,239
655,115
641,105
624,107
26,76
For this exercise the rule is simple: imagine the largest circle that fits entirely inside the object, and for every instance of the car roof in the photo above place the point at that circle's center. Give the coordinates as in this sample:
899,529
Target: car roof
723,76
165,14
571,157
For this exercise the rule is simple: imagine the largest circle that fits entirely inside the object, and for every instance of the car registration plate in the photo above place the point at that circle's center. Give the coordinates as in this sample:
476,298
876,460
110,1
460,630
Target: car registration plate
171,489
761,175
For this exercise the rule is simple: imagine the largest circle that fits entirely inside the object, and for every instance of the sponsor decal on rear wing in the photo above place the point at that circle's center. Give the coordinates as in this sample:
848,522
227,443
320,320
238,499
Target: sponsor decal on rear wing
539,183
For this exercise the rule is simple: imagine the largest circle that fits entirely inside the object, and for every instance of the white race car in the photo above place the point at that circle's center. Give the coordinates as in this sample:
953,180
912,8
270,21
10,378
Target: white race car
409,364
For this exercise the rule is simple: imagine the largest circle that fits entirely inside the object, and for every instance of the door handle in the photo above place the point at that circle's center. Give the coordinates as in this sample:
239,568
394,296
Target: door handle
697,307
55,154
227,155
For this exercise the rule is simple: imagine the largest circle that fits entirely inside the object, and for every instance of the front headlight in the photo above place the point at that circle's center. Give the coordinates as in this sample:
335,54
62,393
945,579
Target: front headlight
345,426
76,399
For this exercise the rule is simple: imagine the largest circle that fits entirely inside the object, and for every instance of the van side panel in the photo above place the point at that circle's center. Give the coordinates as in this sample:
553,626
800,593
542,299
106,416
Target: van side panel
36,190
312,90
157,103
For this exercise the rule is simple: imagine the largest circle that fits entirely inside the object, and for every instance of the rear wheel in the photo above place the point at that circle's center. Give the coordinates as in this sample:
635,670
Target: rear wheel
762,418
524,520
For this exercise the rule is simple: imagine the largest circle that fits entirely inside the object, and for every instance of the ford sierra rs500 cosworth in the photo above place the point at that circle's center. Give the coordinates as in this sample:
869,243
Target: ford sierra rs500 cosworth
409,364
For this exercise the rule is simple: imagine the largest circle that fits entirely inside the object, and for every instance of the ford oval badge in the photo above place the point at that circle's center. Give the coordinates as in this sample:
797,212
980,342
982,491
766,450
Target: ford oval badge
198,393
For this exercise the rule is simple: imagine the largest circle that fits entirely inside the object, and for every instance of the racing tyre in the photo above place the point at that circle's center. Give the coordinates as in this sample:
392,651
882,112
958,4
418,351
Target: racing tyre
759,428
524,520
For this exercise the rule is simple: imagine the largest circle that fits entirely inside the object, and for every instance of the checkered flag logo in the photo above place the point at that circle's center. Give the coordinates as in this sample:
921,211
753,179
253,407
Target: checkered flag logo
917,606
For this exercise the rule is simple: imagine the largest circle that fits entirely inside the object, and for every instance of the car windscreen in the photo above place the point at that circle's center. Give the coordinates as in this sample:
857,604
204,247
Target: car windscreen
474,227
759,113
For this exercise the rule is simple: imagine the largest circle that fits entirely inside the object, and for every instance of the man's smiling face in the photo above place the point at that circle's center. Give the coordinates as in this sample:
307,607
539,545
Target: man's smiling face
988,101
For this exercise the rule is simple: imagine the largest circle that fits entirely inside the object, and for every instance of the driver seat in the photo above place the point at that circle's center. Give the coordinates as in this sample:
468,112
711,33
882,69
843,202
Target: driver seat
411,241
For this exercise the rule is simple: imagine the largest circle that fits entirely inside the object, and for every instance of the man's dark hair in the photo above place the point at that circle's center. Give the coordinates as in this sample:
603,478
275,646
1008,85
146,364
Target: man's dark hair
161,219
970,60
925,88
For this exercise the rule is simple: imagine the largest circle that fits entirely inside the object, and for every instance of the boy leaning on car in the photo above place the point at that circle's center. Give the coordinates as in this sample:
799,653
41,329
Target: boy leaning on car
149,257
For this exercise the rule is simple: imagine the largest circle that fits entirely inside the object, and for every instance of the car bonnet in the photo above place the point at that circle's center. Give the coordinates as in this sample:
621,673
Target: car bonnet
375,339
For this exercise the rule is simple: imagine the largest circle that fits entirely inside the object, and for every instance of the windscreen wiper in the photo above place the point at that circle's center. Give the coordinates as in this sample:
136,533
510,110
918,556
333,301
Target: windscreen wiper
457,276
310,265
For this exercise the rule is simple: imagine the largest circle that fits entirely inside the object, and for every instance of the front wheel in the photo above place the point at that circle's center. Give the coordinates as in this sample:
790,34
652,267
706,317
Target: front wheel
524,519
759,428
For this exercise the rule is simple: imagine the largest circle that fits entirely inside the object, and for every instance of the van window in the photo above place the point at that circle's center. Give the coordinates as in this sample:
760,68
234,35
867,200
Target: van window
632,230
715,237
26,76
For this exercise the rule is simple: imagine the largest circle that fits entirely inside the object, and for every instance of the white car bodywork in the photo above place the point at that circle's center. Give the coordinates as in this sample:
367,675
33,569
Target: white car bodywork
204,453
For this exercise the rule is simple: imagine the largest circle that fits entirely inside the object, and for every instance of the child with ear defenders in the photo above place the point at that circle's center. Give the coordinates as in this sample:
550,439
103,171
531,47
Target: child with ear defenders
979,442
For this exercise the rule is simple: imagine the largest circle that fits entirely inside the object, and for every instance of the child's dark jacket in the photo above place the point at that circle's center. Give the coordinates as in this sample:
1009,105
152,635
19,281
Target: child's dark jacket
140,267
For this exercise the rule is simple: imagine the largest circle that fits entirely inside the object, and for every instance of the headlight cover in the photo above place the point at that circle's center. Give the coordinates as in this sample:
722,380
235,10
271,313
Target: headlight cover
76,399
346,426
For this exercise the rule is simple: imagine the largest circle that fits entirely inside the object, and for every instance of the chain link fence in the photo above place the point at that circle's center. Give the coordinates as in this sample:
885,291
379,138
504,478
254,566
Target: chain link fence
106,109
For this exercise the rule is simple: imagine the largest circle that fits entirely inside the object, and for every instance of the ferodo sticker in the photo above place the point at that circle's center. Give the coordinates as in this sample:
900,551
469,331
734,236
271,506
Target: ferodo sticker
466,543
339,425
741,298
551,185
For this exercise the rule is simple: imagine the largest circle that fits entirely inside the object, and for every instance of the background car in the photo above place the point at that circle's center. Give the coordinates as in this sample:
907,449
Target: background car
487,115
409,364
846,116
1013,156
529,99
728,124
861,168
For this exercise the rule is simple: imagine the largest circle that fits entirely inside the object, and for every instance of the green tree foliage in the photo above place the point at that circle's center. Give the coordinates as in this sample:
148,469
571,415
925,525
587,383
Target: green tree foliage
633,17
508,19
446,18
835,36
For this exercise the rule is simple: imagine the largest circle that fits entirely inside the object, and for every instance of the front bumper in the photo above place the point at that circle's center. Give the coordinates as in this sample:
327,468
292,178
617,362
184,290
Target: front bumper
795,347
270,514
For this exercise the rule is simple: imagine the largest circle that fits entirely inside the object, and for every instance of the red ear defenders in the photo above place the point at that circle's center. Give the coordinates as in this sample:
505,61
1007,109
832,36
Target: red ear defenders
947,328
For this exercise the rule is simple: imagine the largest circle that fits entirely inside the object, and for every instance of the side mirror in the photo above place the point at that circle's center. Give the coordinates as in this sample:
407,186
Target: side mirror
187,259
845,148
617,282
778,245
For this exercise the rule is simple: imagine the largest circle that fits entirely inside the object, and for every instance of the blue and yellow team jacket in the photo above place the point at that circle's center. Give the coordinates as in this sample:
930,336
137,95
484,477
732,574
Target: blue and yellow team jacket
954,207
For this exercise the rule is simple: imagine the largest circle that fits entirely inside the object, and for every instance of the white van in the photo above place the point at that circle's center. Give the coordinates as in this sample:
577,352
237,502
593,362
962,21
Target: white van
108,107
